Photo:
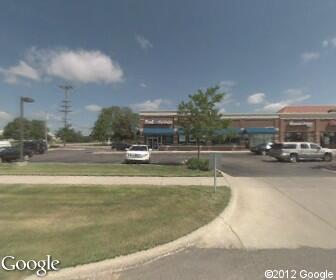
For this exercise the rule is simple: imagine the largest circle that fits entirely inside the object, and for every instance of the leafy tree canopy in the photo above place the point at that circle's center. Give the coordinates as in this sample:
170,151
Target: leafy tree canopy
115,123
33,130
200,116
71,135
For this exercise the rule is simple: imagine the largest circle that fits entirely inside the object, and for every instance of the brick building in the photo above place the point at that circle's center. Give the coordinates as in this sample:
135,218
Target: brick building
160,129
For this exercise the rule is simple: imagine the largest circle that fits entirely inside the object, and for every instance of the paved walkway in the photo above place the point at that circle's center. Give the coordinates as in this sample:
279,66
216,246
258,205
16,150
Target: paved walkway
111,180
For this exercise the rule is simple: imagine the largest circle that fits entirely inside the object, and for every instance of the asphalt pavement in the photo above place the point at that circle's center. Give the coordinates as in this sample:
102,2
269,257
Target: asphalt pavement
212,264
235,164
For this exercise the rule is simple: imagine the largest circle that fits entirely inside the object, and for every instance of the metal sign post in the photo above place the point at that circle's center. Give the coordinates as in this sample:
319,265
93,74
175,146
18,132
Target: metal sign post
215,172
214,162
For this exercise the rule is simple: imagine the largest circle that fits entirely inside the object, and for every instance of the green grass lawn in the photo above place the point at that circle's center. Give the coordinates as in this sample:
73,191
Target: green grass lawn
101,170
79,225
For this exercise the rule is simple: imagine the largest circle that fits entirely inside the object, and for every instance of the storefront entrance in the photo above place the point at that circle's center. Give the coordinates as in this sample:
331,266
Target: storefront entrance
153,142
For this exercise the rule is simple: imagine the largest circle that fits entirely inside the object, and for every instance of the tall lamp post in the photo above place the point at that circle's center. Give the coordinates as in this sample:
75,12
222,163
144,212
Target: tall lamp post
22,101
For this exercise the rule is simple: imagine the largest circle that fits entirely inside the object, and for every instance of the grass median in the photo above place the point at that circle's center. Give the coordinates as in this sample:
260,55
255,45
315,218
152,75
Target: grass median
102,169
83,224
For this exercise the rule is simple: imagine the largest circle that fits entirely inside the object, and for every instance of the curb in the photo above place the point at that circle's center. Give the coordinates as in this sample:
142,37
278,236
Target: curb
122,263
173,152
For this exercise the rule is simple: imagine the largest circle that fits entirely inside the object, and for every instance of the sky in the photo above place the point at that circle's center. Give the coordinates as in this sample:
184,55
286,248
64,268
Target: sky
151,54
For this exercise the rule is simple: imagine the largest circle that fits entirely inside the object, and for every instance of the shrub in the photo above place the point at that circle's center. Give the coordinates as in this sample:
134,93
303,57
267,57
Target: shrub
192,163
203,164
200,164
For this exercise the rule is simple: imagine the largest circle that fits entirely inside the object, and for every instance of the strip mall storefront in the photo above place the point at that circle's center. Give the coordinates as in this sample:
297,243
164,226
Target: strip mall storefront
321,129
160,129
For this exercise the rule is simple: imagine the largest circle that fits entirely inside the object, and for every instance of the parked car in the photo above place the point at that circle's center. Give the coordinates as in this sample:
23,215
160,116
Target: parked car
120,146
295,151
138,153
5,144
262,149
37,146
13,153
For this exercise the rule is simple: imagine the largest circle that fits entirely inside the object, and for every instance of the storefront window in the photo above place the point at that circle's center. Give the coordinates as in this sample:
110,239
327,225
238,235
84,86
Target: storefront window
168,140
181,139
296,137
328,138
229,140
256,139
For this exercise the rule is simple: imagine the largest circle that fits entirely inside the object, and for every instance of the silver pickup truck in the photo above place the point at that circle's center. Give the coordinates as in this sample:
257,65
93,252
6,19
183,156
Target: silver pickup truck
295,151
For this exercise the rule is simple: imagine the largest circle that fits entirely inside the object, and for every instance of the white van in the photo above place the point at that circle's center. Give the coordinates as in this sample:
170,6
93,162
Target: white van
5,144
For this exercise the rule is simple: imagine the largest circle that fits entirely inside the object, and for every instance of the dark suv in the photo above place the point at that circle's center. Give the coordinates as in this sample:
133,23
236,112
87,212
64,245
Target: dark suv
13,153
37,146
120,146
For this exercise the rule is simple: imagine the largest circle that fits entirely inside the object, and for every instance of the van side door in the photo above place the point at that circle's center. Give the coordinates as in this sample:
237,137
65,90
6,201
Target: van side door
316,151
304,151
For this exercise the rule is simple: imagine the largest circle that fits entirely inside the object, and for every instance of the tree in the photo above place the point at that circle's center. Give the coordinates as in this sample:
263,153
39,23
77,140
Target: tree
200,116
34,129
115,123
70,135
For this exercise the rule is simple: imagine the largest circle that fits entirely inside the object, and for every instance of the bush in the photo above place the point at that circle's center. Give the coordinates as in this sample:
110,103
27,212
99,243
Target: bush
203,164
200,164
192,163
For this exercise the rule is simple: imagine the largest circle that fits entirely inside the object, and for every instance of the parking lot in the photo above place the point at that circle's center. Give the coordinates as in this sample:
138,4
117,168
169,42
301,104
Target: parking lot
240,164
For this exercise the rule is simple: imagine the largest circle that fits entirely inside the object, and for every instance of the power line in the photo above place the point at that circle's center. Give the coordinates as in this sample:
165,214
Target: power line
66,109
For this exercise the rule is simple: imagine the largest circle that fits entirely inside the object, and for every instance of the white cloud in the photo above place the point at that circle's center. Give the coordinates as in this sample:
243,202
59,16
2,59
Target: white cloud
73,65
292,96
227,99
150,105
93,108
84,66
310,56
22,70
256,98
274,107
333,42
143,85
143,42
227,85
4,116
329,42
325,43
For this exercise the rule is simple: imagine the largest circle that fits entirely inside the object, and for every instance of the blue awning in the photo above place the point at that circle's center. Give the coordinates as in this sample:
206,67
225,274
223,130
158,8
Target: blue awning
158,131
260,130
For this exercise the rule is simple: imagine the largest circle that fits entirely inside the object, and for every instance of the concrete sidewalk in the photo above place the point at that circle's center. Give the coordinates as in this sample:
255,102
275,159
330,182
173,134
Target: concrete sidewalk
111,180
264,215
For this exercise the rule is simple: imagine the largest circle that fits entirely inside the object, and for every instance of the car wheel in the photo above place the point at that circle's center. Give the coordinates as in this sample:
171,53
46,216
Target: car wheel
293,158
26,157
327,157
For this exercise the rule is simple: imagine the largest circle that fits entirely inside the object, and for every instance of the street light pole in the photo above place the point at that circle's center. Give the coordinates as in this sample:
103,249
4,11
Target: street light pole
21,128
22,101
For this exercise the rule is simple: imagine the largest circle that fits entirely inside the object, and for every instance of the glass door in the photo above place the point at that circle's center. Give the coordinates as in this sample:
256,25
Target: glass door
153,142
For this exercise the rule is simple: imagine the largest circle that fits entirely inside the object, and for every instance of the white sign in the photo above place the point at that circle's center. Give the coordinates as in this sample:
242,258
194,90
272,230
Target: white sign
299,123
158,121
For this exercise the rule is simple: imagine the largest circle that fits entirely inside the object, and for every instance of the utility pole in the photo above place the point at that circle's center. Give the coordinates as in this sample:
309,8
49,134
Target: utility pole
65,109
22,101
46,128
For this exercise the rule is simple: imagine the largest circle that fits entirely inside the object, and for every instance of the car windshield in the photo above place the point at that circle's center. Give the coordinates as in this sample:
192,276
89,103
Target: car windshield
138,148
